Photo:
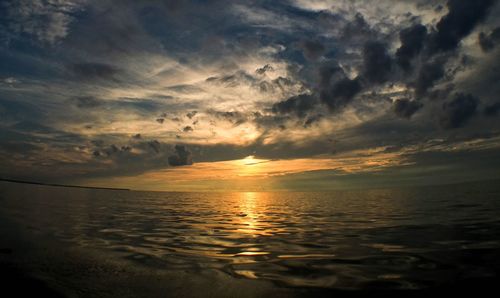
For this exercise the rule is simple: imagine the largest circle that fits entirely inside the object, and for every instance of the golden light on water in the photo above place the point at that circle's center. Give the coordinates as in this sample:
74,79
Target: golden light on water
248,215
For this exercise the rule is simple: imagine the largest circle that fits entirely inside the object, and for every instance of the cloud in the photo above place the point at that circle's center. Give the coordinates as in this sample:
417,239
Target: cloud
492,110
94,71
87,102
187,129
155,145
440,44
461,19
412,41
340,93
312,50
430,72
20,148
358,30
487,42
182,157
312,119
264,69
191,114
46,21
405,108
297,105
458,111
377,63
335,89
10,80
113,150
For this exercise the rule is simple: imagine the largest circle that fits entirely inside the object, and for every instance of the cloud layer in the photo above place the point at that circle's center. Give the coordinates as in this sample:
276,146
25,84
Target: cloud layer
99,89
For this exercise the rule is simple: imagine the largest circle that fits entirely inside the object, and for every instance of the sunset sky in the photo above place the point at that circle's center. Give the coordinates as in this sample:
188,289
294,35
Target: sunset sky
249,95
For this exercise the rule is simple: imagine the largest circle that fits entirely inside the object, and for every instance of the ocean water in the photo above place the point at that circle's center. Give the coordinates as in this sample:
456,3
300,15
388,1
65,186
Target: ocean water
412,238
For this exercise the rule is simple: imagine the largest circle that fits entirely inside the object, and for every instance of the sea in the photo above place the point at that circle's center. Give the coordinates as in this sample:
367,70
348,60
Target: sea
100,243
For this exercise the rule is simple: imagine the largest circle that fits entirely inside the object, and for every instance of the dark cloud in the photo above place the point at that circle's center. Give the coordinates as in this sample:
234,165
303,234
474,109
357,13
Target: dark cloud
232,80
340,93
312,50
328,73
160,120
191,114
440,44
492,110
264,69
335,89
357,30
187,129
280,84
45,21
182,157
405,108
489,41
87,102
312,119
440,94
376,62
283,82
236,118
298,105
461,19
485,42
155,145
431,72
17,147
97,143
412,41
113,150
94,71
137,136
113,32
458,111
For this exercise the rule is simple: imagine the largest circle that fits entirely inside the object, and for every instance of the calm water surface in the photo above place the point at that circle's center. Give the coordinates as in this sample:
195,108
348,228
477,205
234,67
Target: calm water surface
396,239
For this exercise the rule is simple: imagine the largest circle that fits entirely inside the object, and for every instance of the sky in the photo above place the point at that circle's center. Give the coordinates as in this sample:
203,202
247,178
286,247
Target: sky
249,95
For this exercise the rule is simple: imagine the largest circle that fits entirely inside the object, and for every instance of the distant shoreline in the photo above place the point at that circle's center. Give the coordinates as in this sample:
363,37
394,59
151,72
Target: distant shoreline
60,185
380,187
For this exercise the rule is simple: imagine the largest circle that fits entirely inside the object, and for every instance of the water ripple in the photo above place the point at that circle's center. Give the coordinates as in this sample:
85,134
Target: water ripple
371,239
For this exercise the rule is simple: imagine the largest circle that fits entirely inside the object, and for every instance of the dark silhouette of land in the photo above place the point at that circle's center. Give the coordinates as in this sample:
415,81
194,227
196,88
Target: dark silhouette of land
60,185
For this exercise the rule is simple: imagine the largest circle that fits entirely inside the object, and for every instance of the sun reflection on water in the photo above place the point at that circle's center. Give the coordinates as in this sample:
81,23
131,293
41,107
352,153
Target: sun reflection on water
248,215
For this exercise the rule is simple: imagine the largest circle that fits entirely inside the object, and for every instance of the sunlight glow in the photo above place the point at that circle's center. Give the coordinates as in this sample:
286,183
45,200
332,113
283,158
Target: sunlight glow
251,173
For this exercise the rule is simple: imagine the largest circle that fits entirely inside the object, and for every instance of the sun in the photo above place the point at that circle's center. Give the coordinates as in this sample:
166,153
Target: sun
251,166
249,160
